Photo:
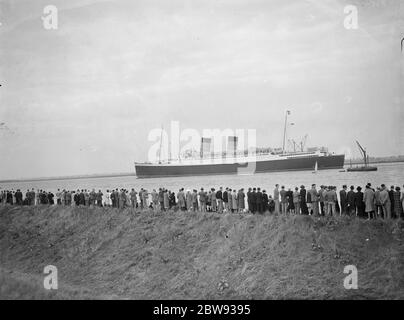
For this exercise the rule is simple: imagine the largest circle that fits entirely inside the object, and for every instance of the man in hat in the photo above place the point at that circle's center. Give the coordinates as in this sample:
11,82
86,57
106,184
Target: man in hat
385,201
276,199
332,200
391,196
259,200
226,199
284,201
303,204
343,199
314,195
350,198
219,197
202,200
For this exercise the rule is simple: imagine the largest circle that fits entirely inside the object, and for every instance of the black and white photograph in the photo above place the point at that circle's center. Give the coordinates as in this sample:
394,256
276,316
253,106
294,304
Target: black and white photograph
218,151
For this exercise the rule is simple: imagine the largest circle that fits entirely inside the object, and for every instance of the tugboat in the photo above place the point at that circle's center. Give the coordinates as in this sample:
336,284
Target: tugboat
366,166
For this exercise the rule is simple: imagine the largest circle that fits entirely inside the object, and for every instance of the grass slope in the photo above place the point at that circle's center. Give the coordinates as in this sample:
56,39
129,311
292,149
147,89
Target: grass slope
107,253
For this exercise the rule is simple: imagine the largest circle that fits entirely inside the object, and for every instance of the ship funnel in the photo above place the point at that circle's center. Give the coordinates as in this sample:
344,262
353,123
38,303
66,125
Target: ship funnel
232,145
206,147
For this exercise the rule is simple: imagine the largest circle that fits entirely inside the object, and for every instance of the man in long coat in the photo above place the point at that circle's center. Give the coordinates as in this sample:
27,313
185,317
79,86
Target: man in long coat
343,199
350,198
369,200
385,201
219,197
303,204
189,200
181,199
241,201
213,200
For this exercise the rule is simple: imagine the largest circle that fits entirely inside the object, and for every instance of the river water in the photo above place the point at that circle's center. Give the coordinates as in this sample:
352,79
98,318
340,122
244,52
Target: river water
388,173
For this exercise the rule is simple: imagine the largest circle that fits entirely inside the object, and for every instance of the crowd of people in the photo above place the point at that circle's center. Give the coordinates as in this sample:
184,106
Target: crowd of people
325,200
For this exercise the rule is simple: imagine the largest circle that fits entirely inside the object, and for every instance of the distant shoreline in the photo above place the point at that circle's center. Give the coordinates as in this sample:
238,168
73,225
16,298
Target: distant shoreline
76,177
132,174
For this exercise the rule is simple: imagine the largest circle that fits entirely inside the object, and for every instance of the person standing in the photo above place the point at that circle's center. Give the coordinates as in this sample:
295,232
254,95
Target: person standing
195,200
166,200
343,198
254,200
98,198
303,204
82,200
18,197
171,199
276,199
265,201
296,200
58,197
402,199
378,204
145,197
219,197
369,200
161,198
332,200
315,197
230,200
202,200
350,198
114,199
259,201
391,196
398,209
155,199
181,199
141,199
321,198
189,200
249,201
283,200
290,207
133,198
359,204
107,202
385,201
76,198
226,199
235,201
93,197
122,199
209,201
213,200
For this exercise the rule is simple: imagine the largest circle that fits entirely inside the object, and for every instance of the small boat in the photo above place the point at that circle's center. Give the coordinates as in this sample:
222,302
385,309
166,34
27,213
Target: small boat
315,168
362,168
366,166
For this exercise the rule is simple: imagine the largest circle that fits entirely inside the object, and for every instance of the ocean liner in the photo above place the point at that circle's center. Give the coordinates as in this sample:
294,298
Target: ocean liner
233,162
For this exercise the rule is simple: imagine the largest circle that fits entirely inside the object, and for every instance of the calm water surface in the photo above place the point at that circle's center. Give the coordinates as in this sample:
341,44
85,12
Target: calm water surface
388,173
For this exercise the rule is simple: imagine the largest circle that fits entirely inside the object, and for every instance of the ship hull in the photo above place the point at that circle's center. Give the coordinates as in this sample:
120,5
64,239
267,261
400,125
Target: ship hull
292,164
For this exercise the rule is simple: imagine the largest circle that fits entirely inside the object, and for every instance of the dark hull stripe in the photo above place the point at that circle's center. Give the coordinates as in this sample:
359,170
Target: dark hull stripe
296,164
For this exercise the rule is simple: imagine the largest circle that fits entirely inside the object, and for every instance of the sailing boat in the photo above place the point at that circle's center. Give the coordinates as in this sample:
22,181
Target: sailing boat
315,168
366,166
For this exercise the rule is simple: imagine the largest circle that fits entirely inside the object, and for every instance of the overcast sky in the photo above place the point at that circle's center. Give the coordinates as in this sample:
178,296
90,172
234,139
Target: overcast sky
83,98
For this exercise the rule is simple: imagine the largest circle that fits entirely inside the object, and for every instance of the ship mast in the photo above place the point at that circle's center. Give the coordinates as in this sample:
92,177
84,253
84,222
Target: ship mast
161,142
284,130
364,155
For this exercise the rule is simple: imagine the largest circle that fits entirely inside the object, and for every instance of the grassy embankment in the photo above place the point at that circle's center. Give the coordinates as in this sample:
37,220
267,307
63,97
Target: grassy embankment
107,253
